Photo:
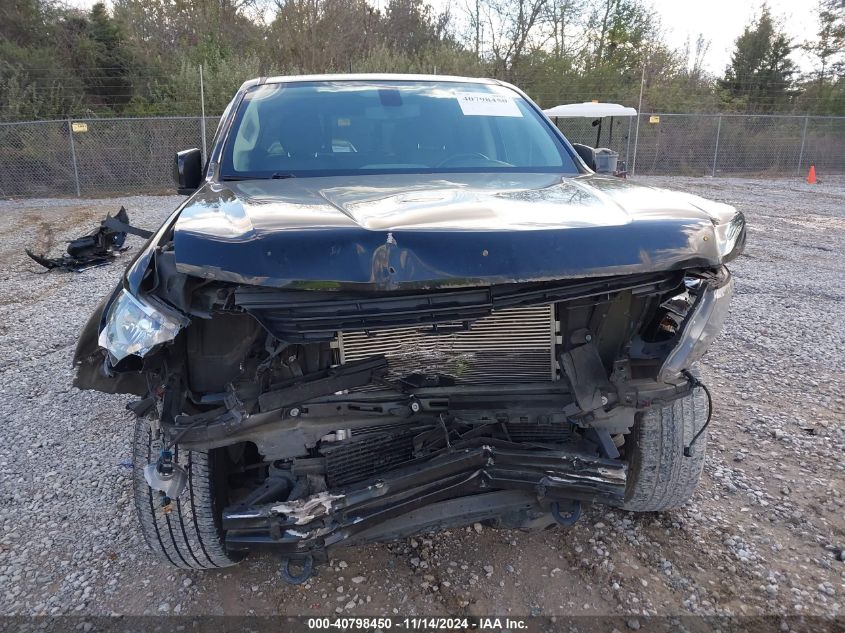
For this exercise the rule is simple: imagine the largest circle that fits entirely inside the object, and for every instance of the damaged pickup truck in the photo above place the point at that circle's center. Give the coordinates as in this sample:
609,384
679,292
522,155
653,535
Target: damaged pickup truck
395,304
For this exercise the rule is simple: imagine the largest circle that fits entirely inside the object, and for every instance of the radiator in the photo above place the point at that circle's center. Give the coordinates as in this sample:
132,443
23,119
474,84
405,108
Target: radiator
510,346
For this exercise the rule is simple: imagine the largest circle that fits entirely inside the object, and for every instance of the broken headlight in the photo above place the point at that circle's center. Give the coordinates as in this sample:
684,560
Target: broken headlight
701,325
133,326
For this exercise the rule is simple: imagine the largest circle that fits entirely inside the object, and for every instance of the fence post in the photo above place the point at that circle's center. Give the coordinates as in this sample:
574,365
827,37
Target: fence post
636,143
73,156
202,120
803,139
639,113
716,151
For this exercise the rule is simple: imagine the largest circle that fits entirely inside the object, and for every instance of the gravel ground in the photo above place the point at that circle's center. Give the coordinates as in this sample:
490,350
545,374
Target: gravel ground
764,534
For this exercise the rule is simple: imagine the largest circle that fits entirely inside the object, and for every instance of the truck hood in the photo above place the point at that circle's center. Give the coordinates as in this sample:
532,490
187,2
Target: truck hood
435,231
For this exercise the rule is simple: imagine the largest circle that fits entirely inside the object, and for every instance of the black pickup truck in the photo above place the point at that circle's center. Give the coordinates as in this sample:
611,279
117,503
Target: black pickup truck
397,303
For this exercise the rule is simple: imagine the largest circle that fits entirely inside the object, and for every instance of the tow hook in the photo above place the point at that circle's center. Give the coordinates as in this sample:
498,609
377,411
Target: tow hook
166,476
569,516
306,565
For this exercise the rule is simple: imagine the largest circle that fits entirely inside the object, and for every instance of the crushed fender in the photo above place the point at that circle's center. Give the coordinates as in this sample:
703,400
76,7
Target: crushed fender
96,248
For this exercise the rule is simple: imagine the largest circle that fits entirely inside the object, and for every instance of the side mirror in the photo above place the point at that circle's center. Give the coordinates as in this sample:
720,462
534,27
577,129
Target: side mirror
187,172
587,154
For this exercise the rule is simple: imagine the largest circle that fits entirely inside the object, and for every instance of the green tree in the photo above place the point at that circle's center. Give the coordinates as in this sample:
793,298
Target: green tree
823,87
143,56
411,26
21,21
620,31
108,78
829,45
761,74
35,80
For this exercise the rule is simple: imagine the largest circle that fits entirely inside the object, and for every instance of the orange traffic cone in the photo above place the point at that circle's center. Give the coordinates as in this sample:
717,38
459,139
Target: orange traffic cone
811,177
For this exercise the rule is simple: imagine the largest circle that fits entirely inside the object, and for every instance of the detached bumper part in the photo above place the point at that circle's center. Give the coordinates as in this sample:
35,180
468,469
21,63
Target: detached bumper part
395,503
96,248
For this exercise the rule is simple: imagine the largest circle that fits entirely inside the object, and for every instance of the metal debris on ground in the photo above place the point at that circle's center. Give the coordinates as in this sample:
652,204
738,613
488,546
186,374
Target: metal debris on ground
97,248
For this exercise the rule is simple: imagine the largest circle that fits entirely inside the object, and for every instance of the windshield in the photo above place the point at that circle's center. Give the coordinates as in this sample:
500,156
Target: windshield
353,127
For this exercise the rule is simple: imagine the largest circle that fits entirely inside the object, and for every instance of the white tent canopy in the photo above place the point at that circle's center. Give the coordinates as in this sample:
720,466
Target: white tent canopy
590,110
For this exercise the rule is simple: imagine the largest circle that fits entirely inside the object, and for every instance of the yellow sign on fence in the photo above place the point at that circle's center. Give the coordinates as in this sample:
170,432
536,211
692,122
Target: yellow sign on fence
654,119
79,127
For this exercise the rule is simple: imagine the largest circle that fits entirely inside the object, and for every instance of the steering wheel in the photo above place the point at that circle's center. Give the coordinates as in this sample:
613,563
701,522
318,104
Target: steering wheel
455,157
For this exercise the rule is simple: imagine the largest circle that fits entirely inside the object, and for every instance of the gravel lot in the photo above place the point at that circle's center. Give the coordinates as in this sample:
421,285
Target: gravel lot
764,534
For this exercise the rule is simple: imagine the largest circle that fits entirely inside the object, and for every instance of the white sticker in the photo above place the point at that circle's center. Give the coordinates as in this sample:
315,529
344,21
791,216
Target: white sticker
482,104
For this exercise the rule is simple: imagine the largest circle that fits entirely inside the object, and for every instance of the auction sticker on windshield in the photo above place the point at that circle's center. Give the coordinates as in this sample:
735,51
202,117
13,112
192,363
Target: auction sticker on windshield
480,104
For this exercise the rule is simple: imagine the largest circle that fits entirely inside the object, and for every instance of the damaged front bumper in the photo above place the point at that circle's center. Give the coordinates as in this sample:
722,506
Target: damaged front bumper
455,487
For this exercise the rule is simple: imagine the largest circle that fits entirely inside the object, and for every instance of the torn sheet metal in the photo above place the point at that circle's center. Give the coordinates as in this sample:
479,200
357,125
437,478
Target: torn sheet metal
303,511
97,248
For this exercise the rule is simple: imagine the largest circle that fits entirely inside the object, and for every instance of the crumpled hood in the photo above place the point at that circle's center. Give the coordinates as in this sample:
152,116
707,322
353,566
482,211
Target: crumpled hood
427,231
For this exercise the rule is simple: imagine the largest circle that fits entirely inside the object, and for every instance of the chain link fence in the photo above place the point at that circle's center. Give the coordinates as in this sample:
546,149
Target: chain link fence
91,157
728,145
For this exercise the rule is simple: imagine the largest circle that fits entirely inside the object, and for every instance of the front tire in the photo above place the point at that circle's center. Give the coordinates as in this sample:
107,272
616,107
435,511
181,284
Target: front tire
660,477
189,536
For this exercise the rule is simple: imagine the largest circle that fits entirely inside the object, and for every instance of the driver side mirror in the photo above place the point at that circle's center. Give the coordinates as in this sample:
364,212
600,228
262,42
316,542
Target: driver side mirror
187,172
587,154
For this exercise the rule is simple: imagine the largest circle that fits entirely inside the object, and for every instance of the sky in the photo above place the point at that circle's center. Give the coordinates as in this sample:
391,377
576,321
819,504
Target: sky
721,22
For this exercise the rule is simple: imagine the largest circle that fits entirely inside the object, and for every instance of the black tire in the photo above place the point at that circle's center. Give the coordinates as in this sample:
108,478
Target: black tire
660,477
189,536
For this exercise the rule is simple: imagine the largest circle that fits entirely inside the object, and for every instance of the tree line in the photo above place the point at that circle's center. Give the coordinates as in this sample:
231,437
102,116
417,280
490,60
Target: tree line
143,57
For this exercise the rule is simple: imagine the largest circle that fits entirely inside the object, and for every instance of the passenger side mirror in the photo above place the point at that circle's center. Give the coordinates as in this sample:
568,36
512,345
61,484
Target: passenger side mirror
587,154
187,172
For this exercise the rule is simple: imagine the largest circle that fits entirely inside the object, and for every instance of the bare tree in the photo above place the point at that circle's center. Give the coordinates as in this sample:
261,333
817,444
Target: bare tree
472,9
512,25
564,19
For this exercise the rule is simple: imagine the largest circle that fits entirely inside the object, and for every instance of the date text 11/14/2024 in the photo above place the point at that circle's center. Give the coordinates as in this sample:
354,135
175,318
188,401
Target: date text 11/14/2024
418,623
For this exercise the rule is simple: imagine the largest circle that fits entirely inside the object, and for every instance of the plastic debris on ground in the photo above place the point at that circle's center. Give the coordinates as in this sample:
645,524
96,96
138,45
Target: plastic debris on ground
96,248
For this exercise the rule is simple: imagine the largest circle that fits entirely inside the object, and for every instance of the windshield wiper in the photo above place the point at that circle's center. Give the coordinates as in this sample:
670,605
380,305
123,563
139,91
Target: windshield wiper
279,175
